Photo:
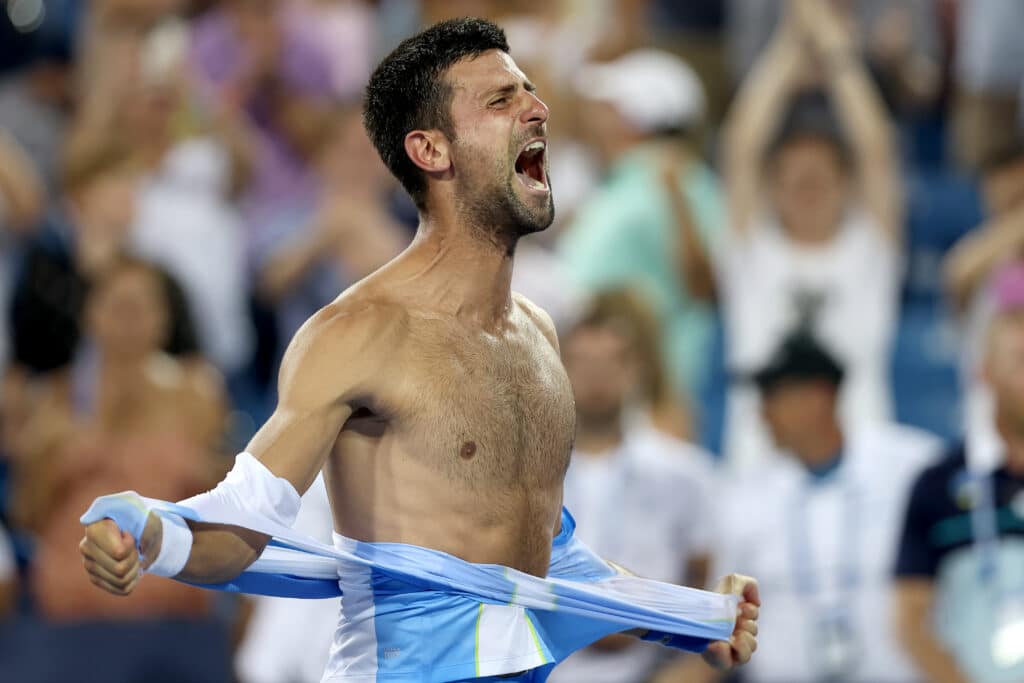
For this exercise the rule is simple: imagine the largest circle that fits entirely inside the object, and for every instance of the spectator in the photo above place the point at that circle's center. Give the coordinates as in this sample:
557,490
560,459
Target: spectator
823,535
8,576
815,218
189,162
79,239
640,109
123,415
642,498
961,609
311,251
977,258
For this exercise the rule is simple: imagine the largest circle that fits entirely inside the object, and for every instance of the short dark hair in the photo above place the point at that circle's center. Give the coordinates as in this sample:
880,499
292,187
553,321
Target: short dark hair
407,91
810,114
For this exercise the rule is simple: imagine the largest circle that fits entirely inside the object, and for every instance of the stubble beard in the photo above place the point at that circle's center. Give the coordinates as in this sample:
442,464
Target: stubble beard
498,213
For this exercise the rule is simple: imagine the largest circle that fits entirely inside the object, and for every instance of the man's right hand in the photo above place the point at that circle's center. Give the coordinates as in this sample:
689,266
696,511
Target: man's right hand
111,558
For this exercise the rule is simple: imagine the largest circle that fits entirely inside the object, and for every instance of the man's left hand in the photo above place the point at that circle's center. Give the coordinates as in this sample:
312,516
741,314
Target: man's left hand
743,641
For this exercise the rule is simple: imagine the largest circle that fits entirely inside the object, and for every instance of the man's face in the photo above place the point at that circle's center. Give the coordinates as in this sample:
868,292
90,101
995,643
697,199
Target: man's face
601,368
499,154
127,314
808,188
1005,367
793,408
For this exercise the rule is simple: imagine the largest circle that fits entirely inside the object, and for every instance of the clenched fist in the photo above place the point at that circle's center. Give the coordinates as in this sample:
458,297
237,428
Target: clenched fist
111,557
743,641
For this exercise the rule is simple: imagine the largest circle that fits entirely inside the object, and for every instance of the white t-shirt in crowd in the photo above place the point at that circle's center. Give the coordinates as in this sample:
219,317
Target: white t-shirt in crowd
185,223
289,639
823,550
647,507
763,279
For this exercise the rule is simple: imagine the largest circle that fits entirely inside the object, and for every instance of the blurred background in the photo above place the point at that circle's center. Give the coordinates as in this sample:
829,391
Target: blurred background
786,232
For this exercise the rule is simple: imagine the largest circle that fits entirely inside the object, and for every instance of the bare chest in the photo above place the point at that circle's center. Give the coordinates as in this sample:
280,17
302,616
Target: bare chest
489,412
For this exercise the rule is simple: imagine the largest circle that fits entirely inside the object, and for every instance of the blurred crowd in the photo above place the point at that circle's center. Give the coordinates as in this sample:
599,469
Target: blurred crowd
787,269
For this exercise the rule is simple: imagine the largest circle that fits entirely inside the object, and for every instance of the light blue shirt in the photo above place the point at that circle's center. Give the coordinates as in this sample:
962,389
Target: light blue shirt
626,235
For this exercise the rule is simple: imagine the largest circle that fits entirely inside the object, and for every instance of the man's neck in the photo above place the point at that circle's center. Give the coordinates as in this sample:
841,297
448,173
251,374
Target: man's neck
464,268
122,370
821,450
598,439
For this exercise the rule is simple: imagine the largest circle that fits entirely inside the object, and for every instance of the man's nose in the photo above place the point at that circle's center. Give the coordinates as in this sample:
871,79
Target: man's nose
536,111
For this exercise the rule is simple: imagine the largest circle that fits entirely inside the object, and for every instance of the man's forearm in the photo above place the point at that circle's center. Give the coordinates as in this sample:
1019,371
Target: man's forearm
974,257
934,661
861,114
220,553
753,118
914,605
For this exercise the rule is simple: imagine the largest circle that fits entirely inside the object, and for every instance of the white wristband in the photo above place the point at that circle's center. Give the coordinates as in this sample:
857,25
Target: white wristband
175,546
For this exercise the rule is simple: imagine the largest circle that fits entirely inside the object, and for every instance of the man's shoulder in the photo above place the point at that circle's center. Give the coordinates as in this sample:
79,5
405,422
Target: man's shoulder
942,475
360,308
352,326
539,317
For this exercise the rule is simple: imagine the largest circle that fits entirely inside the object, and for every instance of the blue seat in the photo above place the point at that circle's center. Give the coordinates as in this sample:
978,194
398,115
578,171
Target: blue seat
925,384
942,207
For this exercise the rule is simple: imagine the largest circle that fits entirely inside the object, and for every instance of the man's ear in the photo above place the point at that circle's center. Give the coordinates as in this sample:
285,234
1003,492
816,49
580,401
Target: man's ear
429,150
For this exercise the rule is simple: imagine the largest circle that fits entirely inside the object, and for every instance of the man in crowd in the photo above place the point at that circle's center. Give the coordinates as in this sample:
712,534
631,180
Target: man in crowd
814,207
820,518
961,559
627,233
642,498
124,414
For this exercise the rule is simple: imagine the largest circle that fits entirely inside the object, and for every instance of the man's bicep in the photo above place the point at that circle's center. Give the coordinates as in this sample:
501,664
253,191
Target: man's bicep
294,444
324,366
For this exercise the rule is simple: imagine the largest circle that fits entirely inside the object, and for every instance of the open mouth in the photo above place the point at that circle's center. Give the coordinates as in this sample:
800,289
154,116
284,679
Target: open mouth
530,166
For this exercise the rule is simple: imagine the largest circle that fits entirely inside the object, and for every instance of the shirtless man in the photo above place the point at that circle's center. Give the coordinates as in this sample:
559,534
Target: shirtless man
431,396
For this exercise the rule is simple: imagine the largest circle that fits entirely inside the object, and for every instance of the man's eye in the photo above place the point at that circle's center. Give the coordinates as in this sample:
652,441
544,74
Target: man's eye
500,100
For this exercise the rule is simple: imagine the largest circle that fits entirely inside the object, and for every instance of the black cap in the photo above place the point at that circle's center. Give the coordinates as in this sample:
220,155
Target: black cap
799,357
810,115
